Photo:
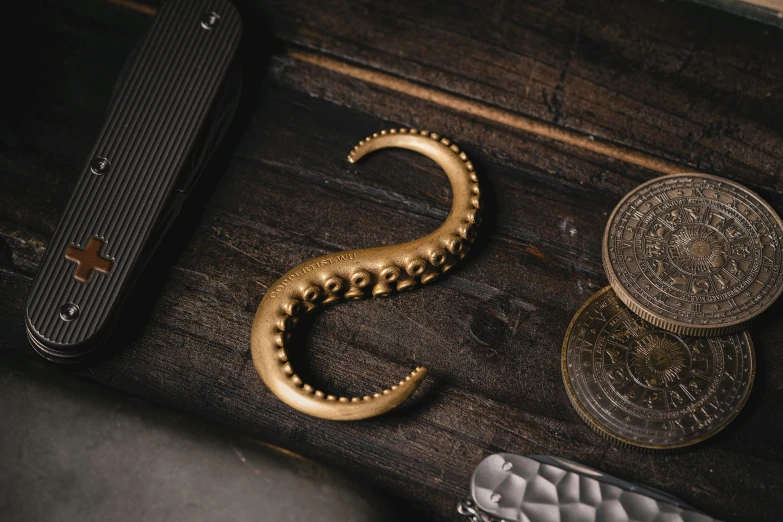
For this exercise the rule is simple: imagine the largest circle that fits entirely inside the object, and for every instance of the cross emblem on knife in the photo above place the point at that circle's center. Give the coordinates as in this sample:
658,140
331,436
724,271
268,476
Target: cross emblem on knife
88,260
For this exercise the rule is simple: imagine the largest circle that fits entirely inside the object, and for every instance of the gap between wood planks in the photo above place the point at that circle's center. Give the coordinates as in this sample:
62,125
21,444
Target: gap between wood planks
466,105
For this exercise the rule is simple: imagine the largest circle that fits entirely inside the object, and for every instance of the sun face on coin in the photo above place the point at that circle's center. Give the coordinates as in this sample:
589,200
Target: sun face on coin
658,359
698,250
694,254
644,386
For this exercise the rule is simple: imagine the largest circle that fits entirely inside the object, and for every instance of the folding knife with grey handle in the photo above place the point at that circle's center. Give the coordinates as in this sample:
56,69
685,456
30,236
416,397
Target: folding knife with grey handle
172,104
507,487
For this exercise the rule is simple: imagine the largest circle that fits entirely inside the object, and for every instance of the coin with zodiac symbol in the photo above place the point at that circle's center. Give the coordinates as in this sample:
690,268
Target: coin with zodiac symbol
646,387
695,254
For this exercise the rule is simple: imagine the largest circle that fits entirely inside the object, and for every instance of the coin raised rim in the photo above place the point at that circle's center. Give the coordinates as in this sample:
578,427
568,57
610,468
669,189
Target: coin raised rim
656,319
626,442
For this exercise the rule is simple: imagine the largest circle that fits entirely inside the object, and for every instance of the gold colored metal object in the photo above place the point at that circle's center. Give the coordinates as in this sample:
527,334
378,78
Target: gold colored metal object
695,254
649,388
354,274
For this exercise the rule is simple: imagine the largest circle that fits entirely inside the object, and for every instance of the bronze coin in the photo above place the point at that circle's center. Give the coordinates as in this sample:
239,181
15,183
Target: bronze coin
647,387
694,254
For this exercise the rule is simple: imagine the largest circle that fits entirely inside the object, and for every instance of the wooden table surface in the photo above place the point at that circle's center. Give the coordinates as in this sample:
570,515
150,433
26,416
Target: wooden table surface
563,106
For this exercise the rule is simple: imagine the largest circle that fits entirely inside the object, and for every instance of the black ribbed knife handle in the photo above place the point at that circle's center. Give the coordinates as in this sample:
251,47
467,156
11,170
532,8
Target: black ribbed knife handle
134,175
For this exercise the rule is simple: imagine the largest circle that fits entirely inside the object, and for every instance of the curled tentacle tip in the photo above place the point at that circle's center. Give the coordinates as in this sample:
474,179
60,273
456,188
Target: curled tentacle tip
419,372
402,271
415,377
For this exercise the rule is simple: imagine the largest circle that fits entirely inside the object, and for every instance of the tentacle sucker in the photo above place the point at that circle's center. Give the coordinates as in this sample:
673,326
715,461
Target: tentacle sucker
354,274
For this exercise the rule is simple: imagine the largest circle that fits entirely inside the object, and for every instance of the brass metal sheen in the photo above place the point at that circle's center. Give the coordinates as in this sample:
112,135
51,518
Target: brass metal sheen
695,254
649,388
355,274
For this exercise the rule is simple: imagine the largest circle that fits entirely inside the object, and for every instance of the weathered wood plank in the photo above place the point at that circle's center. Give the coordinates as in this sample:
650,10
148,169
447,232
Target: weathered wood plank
674,79
490,333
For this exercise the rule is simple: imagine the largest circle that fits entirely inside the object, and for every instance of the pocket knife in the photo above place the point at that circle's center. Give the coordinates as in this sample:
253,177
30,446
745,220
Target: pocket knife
173,102
508,487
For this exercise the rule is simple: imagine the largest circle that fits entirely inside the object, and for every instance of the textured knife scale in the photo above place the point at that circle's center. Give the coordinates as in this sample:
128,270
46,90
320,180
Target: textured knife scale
541,488
152,124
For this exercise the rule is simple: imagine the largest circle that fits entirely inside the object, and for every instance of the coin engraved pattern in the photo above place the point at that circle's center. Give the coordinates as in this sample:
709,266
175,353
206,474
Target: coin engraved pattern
695,254
643,386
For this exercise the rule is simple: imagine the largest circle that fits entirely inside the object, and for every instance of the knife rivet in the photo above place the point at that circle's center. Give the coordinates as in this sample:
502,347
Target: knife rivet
69,312
495,498
209,20
507,466
100,166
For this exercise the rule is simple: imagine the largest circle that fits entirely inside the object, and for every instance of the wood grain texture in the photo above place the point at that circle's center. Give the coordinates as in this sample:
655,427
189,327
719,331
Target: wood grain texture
674,82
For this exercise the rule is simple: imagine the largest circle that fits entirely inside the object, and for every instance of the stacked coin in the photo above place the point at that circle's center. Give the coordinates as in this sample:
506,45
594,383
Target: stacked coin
660,359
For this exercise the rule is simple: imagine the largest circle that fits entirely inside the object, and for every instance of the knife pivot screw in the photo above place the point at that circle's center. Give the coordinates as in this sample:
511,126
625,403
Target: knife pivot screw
100,166
69,312
209,20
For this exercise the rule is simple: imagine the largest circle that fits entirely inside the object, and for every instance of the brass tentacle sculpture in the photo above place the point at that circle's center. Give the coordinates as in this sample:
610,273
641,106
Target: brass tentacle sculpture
352,274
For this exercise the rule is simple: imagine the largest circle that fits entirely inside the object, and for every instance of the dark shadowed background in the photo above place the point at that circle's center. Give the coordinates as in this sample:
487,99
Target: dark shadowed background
563,106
